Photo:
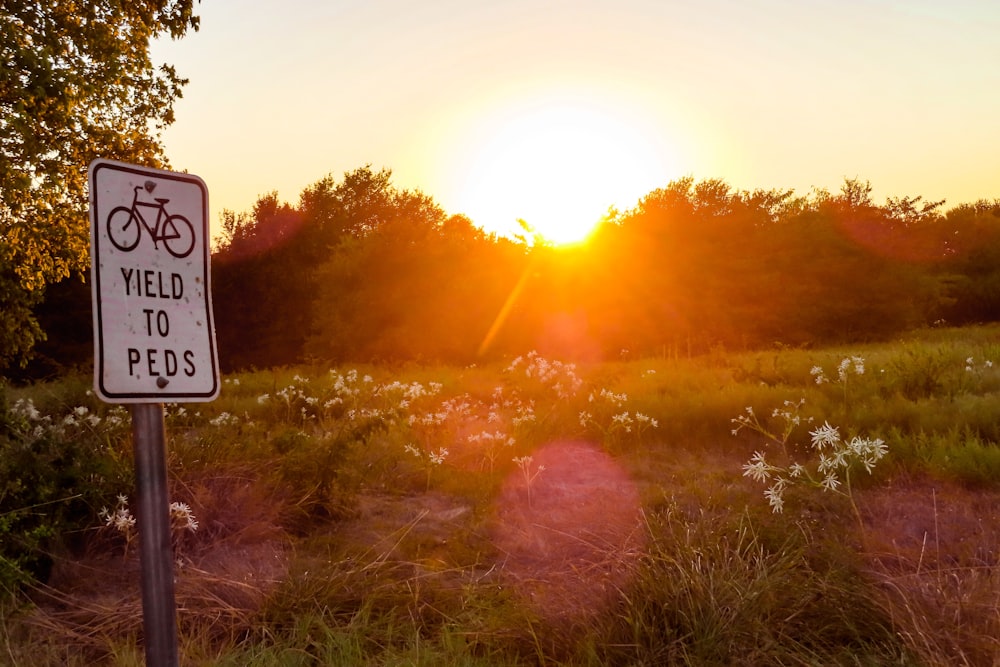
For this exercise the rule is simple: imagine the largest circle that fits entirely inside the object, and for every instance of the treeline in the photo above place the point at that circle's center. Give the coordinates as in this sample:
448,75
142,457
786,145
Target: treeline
359,270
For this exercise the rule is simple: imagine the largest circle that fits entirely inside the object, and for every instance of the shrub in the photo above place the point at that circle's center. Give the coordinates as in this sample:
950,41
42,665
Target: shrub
54,473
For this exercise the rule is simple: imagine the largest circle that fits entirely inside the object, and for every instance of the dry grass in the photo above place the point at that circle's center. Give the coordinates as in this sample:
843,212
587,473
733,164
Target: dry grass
935,556
225,573
221,607
560,565
947,616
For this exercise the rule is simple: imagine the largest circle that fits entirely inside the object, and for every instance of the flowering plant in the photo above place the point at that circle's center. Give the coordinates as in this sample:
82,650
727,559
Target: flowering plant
609,409
831,471
524,463
834,456
121,520
430,459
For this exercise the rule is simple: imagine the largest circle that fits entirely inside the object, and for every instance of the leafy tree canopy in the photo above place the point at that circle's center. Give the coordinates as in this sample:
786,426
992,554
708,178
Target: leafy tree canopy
77,83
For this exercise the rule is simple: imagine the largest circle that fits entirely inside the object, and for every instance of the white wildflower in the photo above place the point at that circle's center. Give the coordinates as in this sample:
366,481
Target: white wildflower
830,482
775,497
758,469
859,365
182,518
825,435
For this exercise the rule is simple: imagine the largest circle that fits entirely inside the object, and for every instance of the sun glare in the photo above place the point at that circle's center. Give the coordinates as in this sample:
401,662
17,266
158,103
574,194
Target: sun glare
559,167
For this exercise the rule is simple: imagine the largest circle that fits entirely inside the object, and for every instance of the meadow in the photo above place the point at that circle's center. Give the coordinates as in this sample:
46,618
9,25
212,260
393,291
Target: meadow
831,506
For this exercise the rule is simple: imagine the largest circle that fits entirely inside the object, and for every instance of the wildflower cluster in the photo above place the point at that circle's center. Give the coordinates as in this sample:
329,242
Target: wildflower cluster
464,414
436,458
297,398
348,398
971,365
78,421
866,451
611,420
829,472
448,411
121,520
491,443
844,368
407,392
788,415
177,411
491,427
225,419
506,405
847,365
977,369
182,518
832,457
558,376
429,459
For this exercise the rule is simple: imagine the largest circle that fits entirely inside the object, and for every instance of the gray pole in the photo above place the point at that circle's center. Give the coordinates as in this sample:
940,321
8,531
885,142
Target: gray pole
156,561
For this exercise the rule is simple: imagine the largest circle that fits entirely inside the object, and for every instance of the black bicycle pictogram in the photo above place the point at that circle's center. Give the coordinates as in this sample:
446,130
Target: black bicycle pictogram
125,225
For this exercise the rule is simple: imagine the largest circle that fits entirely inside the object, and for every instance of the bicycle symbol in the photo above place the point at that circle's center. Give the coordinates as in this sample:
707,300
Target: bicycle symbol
125,225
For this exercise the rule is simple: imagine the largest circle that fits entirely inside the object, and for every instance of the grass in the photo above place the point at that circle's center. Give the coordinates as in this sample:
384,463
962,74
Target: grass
727,595
530,513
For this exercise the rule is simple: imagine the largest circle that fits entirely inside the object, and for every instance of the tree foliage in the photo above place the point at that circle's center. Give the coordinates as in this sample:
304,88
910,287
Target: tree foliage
359,271
77,83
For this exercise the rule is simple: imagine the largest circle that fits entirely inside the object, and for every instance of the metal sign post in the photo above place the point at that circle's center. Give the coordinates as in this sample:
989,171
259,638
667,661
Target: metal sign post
156,562
154,342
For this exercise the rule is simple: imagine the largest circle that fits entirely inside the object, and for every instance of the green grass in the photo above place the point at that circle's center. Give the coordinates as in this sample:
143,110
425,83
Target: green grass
719,592
357,516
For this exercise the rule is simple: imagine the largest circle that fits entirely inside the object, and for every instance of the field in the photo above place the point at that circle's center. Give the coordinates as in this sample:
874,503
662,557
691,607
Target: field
787,506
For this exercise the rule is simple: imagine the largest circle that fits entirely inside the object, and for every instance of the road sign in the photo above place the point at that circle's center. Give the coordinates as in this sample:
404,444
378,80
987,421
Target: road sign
154,338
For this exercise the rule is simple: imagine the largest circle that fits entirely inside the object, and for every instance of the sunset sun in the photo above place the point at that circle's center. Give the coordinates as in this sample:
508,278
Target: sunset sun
558,166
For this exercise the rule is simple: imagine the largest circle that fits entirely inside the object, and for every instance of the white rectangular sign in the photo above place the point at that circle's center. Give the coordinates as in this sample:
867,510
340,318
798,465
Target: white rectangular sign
154,338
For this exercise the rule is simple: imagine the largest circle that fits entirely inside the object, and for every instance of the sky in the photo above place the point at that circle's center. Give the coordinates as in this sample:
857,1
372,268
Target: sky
552,111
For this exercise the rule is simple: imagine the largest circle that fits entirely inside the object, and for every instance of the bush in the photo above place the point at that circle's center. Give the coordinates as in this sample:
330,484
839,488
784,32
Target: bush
54,474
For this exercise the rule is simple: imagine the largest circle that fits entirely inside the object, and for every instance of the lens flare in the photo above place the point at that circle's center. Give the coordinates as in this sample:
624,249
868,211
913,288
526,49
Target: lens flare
570,530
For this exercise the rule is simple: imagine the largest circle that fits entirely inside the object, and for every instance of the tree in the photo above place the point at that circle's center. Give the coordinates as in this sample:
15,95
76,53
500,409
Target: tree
421,286
77,83
260,288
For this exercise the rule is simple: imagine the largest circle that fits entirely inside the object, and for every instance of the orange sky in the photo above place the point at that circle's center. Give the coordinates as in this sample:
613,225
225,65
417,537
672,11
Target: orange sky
519,108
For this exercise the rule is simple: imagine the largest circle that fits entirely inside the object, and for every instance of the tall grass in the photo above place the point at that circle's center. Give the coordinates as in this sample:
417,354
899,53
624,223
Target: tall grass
351,516
714,591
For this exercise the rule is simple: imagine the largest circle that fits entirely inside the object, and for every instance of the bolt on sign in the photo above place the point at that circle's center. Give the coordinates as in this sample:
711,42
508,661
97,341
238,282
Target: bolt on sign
154,338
